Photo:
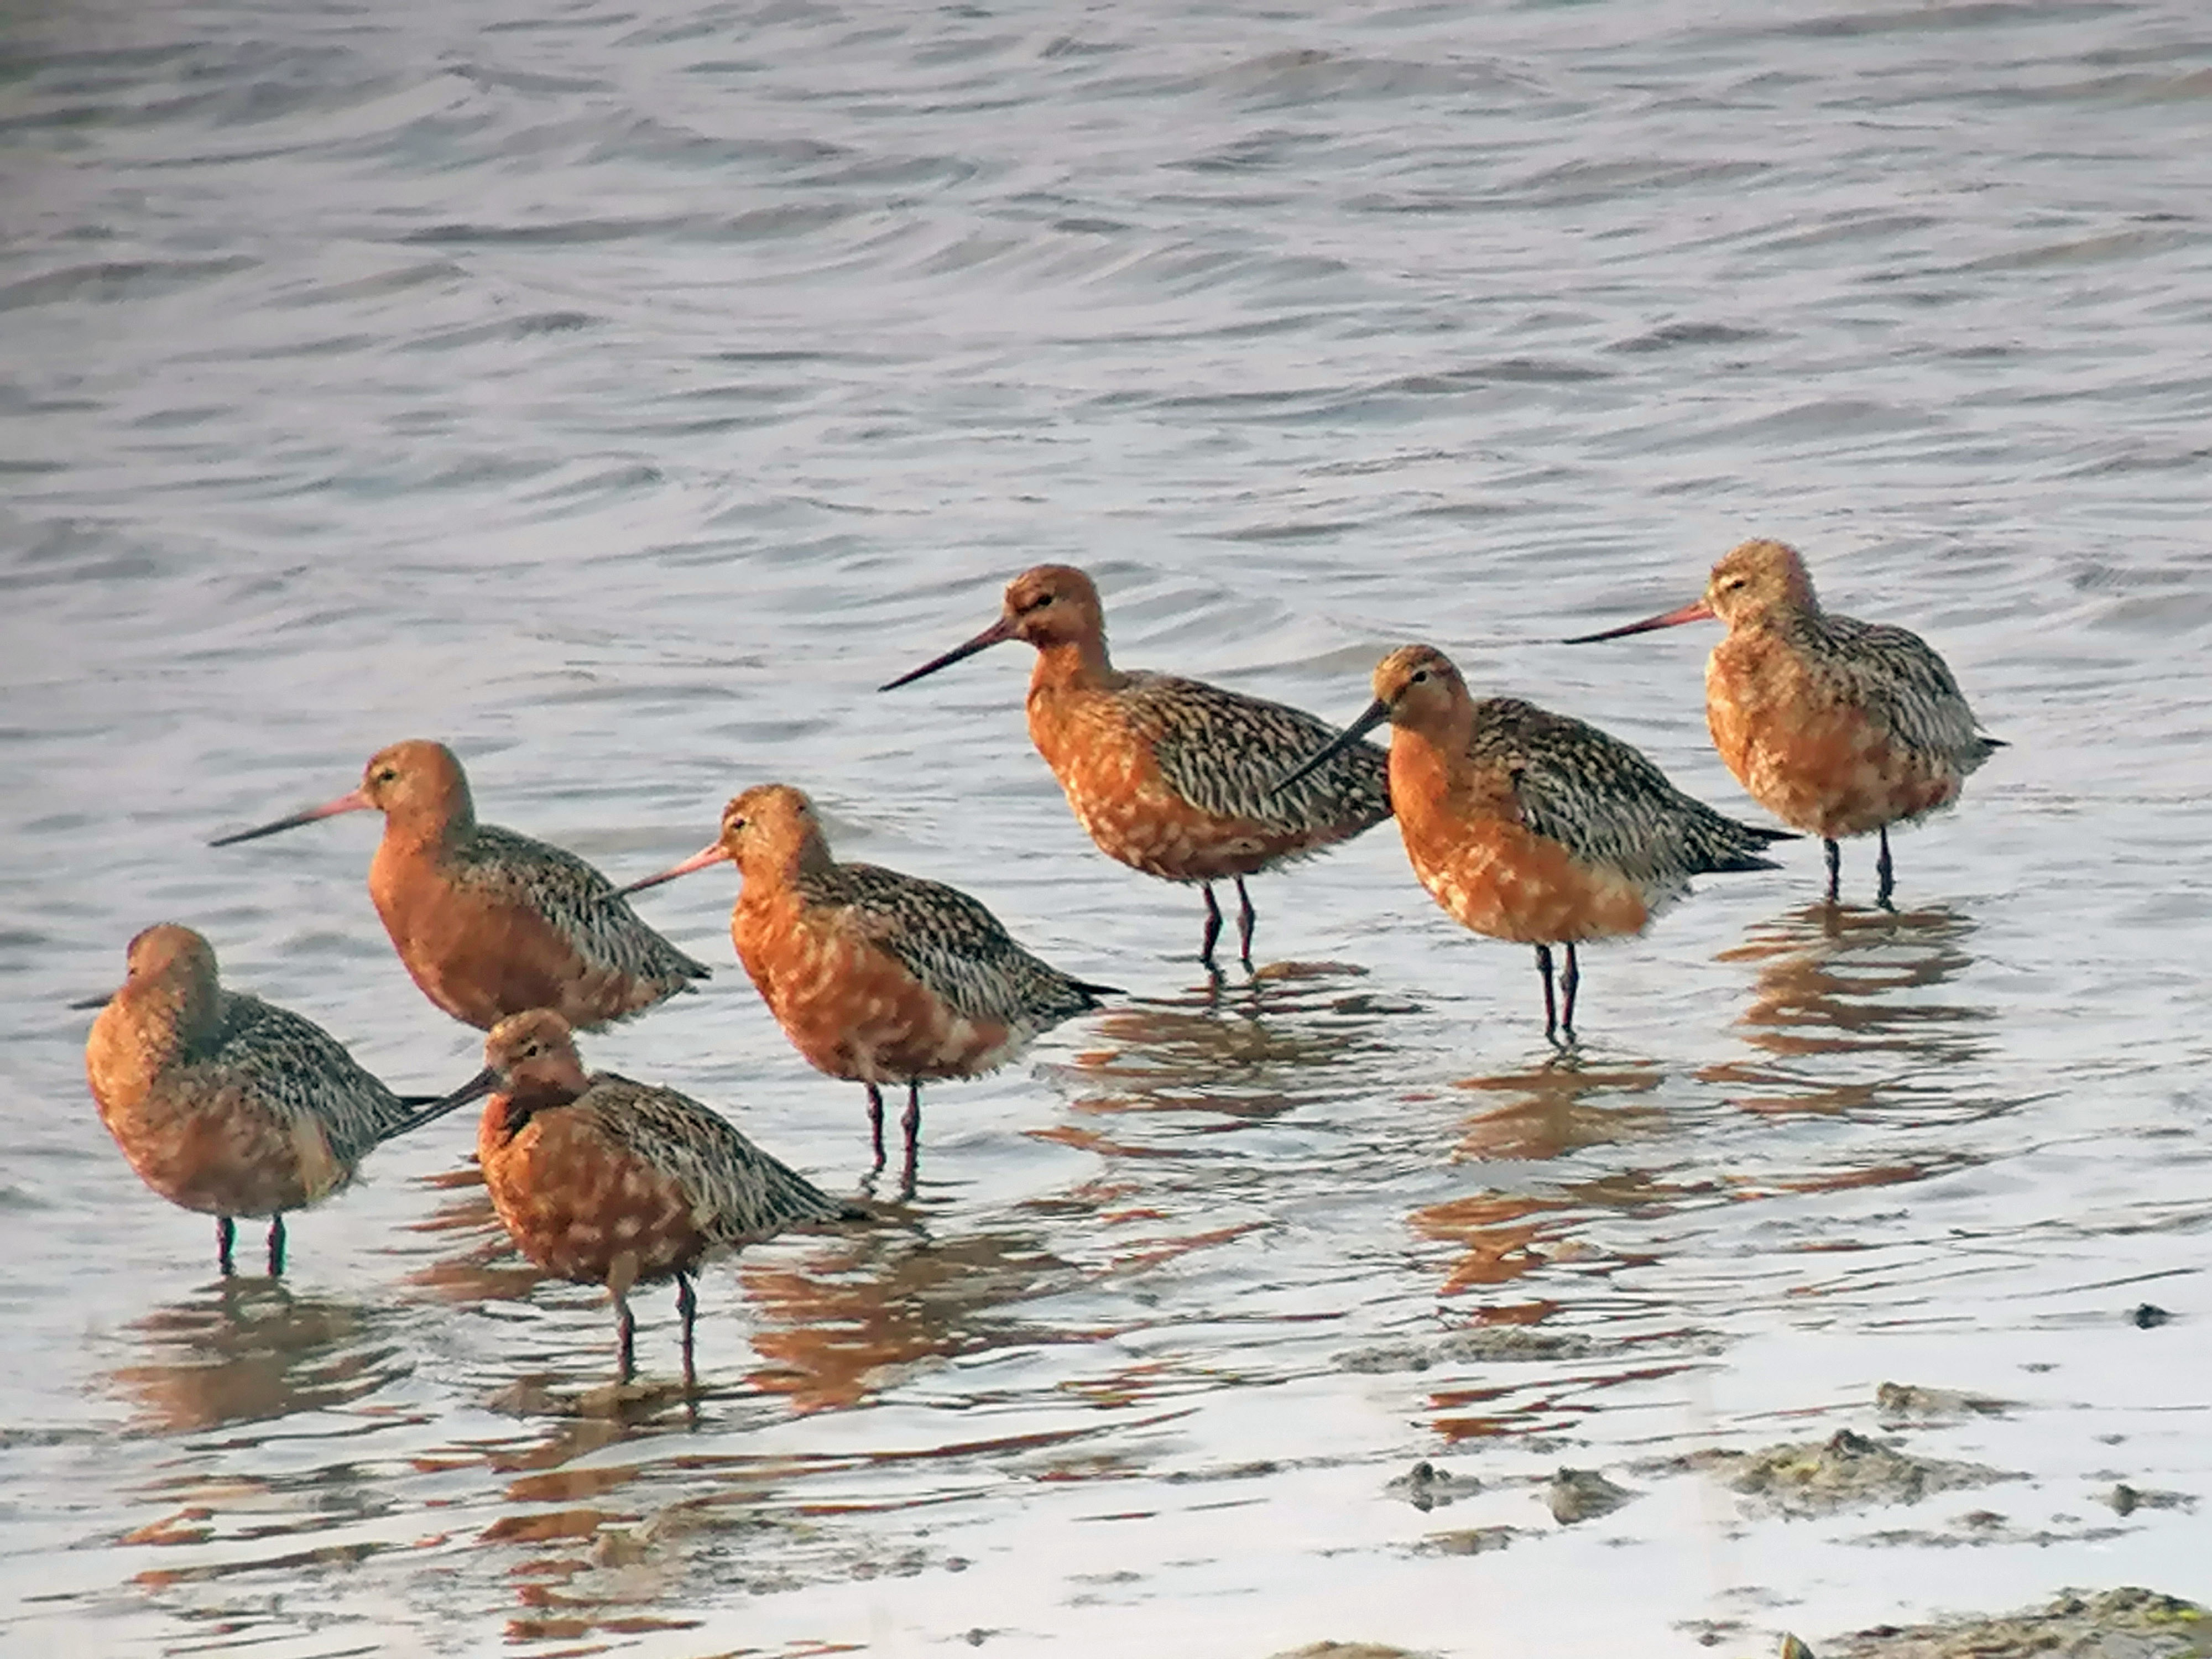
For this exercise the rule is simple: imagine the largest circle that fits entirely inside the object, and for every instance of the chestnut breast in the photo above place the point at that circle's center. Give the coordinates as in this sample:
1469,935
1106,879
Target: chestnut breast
1810,754
1114,785
1466,842
205,1146
579,1203
852,1009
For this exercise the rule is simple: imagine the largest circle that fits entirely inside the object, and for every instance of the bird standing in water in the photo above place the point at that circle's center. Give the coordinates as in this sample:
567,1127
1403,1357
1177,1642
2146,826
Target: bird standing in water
225,1104
1533,827
606,1182
1173,777
487,922
1835,725
876,978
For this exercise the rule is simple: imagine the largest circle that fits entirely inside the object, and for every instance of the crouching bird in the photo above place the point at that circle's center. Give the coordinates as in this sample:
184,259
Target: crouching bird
225,1104
602,1180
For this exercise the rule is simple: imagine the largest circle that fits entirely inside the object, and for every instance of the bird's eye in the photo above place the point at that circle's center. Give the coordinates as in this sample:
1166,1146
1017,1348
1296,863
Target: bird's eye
387,776
1420,676
736,823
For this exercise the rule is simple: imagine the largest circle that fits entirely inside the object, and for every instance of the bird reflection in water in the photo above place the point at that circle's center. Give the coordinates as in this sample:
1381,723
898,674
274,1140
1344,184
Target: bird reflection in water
1834,983
853,1315
832,1318
1245,1058
248,1349
1569,1103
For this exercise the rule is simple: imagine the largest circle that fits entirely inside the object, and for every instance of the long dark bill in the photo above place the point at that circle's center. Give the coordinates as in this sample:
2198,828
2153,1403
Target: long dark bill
998,633
475,1089
350,802
1377,713
1697,611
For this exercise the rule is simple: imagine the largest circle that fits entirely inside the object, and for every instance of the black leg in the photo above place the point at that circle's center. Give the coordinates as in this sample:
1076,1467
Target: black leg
1245,917
687,1307
910,1120
1885,873
1835,867
1551,1010
625,1340
876,1123
1212,926
276,1246
223,1233
1569,982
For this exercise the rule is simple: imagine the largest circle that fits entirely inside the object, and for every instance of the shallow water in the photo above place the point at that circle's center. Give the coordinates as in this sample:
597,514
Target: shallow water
620,395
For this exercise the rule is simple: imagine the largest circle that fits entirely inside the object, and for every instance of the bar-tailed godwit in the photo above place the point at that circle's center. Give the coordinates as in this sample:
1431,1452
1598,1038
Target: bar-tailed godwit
1533,827
1836,727
490,923
876,978
606,1182
225,1104
1173,777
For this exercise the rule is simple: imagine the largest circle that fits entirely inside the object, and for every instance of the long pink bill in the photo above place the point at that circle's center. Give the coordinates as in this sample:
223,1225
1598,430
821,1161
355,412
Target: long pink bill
996,634
1699,611
698,860
352,801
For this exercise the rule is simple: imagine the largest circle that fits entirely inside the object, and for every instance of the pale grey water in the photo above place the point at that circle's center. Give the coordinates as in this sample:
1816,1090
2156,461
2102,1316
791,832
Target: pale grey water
621,394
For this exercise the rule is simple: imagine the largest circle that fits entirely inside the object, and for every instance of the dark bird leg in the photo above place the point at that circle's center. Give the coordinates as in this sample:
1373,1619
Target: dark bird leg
1569,981
1551,1009
687,1307
1835,867
1885,873
910,1120
625,1340
1245,917
876,1124
1212,926
275,1247
223,1233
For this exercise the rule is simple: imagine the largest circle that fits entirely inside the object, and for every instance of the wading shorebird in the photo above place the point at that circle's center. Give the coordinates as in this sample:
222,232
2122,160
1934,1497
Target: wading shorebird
225,1104
487,922
876,978
1532,827
1173,777
1836,727
606,1182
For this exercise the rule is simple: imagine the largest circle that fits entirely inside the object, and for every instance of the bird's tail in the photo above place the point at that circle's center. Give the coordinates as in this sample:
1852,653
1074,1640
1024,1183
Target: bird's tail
1721,845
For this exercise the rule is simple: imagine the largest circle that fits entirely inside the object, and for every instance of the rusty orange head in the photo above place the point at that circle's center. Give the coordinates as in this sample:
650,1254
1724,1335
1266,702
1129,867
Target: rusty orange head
1047,606
166,951
169,947
415,782
1759,578
531,1055
771,827
1754,579
1416,686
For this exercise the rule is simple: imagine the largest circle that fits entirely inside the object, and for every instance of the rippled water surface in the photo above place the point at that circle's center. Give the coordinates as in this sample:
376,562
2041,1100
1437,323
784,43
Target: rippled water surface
622,394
